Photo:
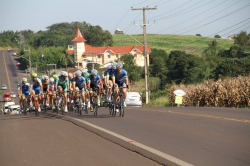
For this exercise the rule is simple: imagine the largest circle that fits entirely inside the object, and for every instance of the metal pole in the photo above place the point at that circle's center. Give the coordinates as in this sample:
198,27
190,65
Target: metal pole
146,58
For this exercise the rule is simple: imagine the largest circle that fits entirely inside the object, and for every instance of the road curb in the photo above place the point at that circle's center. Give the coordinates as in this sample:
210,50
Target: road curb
123,142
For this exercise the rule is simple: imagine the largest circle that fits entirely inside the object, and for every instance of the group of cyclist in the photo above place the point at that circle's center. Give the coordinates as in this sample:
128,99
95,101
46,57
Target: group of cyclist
79,83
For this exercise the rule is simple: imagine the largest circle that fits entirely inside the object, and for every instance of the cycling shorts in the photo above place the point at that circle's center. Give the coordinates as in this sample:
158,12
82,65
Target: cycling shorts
118,84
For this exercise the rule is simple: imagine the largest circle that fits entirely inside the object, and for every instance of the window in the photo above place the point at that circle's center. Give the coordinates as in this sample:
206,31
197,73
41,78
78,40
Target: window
99,56
108,56
135,55
117,56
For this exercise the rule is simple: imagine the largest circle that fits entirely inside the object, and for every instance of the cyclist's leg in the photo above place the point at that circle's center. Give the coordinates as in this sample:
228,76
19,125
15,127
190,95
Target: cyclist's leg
124,90
116,92
65,97
83,95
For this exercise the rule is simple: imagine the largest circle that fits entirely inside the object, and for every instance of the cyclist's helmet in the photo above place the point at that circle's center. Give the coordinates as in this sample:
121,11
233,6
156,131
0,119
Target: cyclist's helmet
94,72
113,66
54,76
84,70
109,66
119,65
51,79
64,73
78,73
34,75
45,77
24,79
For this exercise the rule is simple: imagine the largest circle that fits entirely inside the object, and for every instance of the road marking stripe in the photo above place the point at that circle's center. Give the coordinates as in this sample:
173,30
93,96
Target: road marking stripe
152,150
201,115
208,116
7,74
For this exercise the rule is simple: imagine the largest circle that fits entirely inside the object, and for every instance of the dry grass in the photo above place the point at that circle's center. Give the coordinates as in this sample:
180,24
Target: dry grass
231,92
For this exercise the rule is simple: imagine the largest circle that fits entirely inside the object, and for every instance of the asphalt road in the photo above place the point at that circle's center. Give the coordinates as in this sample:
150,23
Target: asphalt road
46,140
186,135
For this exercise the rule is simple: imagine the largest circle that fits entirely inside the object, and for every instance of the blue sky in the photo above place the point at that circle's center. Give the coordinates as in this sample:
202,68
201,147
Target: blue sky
180,17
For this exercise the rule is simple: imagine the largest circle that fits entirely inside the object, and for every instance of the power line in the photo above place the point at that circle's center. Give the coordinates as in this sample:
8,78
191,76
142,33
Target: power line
195,16
219,18
178,13
121,19
171,10
236,28
231,27
205,18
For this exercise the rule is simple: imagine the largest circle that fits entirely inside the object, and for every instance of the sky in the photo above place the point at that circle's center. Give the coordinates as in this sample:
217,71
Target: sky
179,17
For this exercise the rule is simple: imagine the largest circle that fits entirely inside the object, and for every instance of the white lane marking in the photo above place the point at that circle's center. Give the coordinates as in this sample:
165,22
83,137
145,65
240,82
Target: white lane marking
152,150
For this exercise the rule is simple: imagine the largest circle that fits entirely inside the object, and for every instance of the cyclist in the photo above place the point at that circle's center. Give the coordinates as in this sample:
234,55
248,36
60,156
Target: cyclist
108,77
45,81
55,80
120,79
71,80
85,74
23,91
63,83
36,85
51,91
95,83
80,82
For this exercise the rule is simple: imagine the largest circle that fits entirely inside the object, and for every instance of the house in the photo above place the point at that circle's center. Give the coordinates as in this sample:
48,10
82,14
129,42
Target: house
118,31
84,53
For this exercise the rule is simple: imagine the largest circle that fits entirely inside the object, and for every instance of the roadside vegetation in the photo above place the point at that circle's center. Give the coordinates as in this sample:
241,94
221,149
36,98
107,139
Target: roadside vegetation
174,60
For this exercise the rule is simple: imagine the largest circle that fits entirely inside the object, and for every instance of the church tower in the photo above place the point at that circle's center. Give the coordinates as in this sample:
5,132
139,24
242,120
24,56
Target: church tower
79,46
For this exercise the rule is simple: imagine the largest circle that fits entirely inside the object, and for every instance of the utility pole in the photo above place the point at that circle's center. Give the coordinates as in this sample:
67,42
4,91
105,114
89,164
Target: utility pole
146,56
29,58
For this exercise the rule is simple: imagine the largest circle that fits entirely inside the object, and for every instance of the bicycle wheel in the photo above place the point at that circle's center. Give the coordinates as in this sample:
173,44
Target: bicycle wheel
25,107
57,106
95,108
80,106
121,107
114,109
110,108
95,105
62,106
86,109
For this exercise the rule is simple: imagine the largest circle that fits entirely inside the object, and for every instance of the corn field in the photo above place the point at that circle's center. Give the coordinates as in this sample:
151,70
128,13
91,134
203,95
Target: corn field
233,92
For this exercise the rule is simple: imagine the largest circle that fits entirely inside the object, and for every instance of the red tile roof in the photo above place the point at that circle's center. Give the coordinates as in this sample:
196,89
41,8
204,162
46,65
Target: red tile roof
114,49
78,37
70,52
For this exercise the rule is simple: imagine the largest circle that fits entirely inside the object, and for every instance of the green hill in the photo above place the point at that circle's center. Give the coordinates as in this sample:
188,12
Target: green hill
189,44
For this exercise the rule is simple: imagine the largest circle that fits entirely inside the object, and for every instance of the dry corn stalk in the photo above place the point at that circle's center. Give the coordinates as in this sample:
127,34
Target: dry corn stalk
232,92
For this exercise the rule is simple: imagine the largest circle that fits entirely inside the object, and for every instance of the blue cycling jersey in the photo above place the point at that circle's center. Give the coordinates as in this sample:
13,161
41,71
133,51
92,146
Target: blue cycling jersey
79,82
25,89
36,84
120,77
94,80
109,73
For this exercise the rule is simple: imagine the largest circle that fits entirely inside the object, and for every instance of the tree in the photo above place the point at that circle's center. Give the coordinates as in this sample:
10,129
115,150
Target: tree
184,68
157,59
212,49
242,39
217,36
66,60
197,35
129,64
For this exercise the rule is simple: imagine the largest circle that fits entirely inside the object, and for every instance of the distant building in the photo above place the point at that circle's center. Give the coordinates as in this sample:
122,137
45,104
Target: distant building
84,53
118,31
232,36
